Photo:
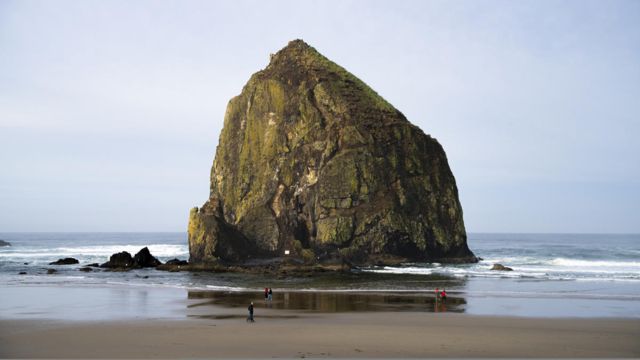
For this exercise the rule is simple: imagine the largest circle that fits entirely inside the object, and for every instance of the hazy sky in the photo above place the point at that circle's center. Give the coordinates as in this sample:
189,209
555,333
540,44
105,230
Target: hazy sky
110,111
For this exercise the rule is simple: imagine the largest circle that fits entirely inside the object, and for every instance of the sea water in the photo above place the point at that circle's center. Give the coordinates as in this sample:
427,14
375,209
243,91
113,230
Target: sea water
553,274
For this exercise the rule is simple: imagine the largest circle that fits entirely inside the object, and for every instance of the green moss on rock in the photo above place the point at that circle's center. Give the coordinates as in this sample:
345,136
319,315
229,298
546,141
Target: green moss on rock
312,159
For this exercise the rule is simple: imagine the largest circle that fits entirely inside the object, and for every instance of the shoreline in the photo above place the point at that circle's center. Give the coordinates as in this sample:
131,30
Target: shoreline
124,300
152,322
297,334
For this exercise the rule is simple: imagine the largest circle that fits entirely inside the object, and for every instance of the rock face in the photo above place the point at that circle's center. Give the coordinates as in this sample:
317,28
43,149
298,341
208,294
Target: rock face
144,259
177,262
4,243
65,261
500,267
312,161
124,260
119,260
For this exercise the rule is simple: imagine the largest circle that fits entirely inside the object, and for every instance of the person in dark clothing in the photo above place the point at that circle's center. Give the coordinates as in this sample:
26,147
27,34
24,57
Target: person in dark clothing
250,318
270,294
266,294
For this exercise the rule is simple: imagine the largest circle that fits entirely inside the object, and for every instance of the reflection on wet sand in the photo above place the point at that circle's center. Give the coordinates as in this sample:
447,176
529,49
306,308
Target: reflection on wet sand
238,316
329,301
340,281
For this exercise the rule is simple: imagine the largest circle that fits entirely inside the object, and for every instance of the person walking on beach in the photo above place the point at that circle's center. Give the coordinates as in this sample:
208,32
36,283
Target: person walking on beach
250,318
437,294
266,294
270,294
443,295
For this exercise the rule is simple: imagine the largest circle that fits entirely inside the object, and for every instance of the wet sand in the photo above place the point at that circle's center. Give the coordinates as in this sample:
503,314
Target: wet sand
296,334
146,322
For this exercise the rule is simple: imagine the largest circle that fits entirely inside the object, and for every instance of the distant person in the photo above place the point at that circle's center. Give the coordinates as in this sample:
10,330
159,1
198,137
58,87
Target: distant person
270,294
266,294
440,307
250,318
443,295
437,294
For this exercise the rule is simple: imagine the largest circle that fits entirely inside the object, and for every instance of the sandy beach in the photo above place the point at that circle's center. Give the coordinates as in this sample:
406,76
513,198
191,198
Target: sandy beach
151,322
298,334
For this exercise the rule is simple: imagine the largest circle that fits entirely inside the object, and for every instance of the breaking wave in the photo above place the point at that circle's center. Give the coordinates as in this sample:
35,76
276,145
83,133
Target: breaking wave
528,267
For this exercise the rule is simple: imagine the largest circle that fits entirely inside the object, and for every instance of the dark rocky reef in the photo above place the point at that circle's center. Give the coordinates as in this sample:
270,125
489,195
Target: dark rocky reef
4,243
119,260
177,262
314,165
175,265
500,267
65,261
124,260
144,259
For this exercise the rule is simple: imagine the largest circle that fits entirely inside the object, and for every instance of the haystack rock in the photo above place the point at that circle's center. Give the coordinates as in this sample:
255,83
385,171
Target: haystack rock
313,164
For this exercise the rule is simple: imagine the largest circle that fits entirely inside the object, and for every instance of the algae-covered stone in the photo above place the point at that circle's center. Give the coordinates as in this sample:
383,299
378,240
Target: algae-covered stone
312,161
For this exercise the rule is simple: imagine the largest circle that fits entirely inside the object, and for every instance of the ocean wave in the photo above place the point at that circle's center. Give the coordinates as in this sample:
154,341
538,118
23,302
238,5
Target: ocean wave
158,250
402,270
189,287
222,288
595,263
528,268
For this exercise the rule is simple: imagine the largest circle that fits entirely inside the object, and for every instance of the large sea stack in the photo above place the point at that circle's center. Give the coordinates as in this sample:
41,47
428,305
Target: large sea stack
312,164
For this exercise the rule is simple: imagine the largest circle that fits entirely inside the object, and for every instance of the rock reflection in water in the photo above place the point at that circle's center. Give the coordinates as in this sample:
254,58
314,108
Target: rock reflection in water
330,301
237,316
339,281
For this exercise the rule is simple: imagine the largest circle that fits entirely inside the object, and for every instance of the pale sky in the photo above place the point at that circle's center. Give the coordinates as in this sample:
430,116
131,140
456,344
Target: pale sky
110,111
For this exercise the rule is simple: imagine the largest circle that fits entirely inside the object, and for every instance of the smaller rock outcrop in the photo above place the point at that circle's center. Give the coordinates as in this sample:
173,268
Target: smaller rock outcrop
51,271
86,269
144,259
65,261
175,265
93,265
22,273
501,267
124,260
177,262
119,260
4,243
